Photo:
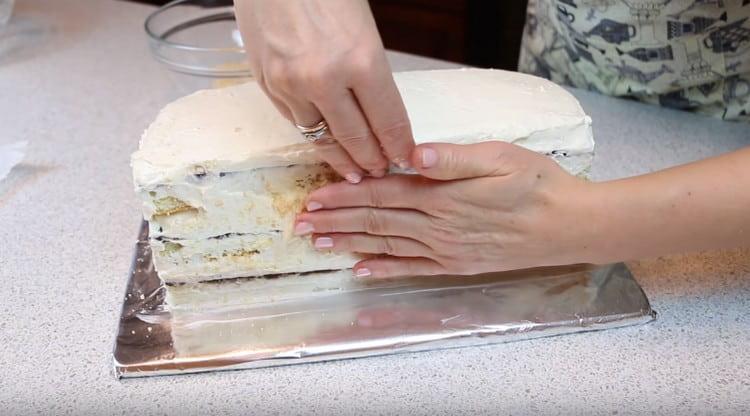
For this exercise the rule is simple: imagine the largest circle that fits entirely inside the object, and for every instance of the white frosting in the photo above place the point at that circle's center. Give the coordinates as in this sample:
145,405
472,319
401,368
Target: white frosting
237,128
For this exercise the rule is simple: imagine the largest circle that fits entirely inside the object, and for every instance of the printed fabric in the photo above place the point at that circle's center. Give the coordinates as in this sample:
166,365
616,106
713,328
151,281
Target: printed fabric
691,55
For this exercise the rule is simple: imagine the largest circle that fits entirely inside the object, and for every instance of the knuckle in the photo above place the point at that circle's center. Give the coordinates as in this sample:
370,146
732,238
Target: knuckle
318,80
387,245
355,141
451,161
361,63
364,152
373,222
278,77
394,133
374,195
393,128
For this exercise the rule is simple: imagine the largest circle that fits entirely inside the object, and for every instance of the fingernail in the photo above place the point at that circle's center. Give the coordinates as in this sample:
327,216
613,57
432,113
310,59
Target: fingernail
378,173
323,242
429,157
362,272
401,163
314,206
353,177
303,228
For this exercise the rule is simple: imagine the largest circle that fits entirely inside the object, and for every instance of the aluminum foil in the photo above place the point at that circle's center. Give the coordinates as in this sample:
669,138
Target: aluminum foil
226,332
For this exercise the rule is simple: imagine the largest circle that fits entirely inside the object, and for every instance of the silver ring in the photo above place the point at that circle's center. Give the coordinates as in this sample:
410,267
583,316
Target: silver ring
314,133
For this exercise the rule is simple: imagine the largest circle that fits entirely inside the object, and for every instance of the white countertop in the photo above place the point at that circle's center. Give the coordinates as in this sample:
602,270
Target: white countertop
78,82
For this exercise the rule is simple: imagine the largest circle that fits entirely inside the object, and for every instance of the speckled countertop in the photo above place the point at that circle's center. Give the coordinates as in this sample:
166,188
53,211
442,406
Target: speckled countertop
78,82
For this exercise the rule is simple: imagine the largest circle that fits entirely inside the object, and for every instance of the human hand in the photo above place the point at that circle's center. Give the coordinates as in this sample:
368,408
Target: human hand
477,208
324,60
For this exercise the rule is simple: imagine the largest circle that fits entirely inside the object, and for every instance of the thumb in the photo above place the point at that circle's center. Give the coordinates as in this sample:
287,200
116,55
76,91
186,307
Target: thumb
444,161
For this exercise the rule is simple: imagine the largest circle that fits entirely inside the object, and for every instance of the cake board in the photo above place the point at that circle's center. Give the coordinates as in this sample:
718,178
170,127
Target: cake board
387,317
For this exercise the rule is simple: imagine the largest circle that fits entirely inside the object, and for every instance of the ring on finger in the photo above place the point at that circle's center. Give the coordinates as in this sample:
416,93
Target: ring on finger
316,133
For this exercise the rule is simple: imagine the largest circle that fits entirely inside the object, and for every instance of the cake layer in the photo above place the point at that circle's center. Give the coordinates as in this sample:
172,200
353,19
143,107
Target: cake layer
215,204
241,255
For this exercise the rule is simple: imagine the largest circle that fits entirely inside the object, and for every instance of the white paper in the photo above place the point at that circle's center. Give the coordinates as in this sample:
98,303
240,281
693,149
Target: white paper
11,155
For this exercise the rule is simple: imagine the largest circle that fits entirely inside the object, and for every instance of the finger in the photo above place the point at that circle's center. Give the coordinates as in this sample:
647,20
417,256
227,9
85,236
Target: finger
388,266
335,155
375,221
444,161
370,244
349,127
278,81
306,114
394,191
381,103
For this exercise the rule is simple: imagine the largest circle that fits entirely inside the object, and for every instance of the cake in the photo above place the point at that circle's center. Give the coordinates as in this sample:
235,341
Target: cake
221,175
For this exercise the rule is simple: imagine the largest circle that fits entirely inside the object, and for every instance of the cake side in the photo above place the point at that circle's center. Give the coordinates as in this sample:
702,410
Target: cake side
215,204
235,225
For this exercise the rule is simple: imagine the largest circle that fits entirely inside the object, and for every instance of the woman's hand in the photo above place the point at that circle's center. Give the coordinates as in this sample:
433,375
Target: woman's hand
324,60
475,208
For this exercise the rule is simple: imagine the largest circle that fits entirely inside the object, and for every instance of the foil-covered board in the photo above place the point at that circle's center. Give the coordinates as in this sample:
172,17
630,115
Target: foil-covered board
366,319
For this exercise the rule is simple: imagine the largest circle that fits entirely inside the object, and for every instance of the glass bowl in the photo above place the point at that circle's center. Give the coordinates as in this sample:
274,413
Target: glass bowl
198,37
6,9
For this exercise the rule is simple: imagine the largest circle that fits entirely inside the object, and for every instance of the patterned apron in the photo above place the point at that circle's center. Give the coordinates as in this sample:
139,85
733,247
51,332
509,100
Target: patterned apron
687,54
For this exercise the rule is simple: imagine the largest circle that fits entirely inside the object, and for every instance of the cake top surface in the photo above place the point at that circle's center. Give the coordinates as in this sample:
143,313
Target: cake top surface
237,128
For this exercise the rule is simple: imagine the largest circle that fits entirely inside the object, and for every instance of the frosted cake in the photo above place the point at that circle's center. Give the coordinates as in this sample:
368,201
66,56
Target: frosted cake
221,174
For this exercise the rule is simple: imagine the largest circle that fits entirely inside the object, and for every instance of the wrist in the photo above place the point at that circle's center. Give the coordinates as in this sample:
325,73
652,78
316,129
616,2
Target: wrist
616,222
591,215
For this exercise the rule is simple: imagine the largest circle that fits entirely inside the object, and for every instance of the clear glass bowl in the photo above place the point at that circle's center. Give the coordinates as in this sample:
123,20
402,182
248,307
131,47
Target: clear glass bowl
6,9
198,37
